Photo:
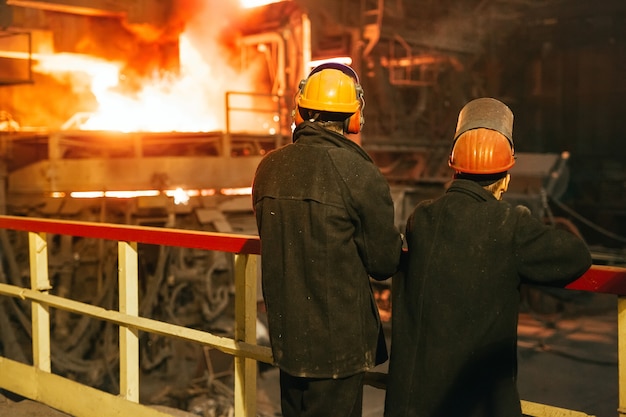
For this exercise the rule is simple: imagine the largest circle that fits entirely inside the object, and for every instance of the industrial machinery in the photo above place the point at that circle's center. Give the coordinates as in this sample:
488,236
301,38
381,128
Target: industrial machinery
157,113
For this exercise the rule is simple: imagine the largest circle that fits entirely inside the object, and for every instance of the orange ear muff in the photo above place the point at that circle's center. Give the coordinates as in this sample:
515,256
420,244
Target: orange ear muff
297,117
353,123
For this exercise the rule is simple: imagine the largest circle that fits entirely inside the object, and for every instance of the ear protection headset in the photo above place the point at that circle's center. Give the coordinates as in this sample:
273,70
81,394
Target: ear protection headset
355,121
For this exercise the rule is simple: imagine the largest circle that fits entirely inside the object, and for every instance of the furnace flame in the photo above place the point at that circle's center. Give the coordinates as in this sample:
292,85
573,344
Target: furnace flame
190,101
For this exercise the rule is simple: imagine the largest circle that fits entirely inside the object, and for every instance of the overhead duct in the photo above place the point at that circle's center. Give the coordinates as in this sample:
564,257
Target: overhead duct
15,58
91,8
134,12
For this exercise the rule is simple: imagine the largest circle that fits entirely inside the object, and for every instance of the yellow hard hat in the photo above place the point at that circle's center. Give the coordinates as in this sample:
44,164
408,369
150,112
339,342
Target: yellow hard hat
332,88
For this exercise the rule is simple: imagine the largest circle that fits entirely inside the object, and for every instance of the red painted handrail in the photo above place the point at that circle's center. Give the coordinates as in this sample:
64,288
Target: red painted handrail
141,234
599,278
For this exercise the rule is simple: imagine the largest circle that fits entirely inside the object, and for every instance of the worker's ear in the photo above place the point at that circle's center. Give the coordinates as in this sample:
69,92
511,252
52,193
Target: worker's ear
501,186
505,186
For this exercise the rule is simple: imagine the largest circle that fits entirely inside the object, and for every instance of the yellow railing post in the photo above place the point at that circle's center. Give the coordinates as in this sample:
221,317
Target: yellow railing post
621,354
129,304
39,281
245,330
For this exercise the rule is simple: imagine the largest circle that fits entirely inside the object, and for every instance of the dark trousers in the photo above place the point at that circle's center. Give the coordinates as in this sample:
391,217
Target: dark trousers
321,397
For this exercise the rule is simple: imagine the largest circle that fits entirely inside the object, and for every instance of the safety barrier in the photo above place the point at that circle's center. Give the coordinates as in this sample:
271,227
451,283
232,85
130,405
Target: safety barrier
38,383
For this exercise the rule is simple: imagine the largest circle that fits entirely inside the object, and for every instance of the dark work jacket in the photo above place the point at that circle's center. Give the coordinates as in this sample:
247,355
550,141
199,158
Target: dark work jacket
455,307
326,222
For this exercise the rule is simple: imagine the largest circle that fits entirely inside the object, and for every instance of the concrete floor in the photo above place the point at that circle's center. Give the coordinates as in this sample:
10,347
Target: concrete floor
567,358
571,361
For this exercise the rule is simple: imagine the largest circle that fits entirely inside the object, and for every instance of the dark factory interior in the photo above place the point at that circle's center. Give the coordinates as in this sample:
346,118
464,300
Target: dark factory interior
559,65
157,112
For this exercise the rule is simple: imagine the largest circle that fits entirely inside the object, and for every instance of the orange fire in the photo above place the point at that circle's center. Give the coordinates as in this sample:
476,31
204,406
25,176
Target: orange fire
191,101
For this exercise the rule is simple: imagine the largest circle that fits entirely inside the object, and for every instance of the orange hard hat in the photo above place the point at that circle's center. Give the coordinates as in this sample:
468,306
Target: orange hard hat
483,142
481,151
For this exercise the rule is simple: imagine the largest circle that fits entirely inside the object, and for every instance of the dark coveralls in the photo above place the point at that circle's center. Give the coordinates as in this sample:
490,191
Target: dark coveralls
326,222
455,307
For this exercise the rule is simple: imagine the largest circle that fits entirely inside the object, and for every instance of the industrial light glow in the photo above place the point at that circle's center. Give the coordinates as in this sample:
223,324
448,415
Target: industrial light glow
180,195
236,191
346,60
248,4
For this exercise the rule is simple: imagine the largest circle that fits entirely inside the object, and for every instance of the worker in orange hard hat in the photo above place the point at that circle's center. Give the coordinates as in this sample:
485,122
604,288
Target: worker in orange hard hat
483,148
326,222
456,304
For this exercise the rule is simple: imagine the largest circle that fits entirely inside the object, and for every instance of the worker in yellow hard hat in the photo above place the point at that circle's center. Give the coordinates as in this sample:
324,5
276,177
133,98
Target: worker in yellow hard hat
329,95
326,222
455,306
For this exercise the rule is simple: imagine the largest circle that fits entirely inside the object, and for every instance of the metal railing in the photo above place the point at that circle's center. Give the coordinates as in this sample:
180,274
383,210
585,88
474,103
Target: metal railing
40,384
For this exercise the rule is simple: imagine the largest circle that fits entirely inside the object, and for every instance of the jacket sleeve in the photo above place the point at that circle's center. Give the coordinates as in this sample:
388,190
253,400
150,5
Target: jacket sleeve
546,255
368,198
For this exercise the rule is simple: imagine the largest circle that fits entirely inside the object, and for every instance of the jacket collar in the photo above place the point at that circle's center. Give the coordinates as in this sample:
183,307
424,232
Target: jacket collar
312,133
471,189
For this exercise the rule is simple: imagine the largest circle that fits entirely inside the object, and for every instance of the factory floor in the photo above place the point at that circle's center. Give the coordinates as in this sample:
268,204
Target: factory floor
567,358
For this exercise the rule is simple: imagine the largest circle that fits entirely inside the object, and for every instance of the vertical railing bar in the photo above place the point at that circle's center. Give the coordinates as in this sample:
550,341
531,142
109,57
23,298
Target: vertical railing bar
129,304
39,281
245,330
621,354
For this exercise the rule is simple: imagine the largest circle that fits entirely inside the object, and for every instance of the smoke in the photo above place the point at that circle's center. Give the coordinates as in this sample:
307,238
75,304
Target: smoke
210,25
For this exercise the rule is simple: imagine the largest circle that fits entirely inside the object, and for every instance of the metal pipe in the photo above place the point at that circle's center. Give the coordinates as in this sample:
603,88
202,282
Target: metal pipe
276,39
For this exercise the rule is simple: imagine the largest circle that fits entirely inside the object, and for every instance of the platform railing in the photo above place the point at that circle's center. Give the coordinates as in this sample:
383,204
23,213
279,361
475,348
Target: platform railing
40,384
